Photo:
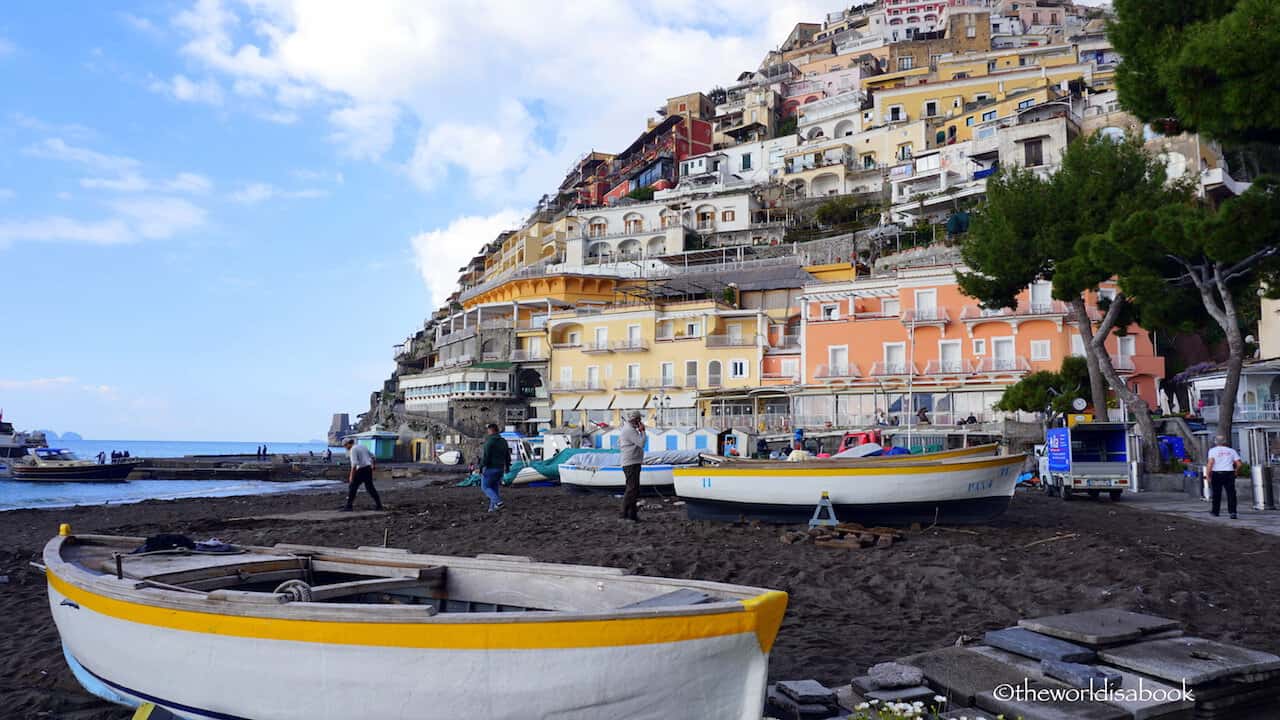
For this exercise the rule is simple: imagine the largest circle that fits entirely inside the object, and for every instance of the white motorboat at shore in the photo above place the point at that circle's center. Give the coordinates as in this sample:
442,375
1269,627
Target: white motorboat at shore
290,631
919,488
600,472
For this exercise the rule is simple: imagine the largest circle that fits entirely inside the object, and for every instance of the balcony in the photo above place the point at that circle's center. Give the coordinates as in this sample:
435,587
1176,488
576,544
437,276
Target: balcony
521,355
400,350
991,365
455,361
1122,363
837,372
600,347
948,367
456,336
673,337
776,376
894,369
636,345
567,345
725,340
784,343
577,386
634,384
538,322
1257,412
929,317
497,324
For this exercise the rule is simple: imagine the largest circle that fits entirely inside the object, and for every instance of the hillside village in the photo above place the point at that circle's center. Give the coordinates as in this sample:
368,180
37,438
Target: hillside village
779,250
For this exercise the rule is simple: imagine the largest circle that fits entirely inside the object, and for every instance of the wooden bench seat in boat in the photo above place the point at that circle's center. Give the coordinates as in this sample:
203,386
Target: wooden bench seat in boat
683,596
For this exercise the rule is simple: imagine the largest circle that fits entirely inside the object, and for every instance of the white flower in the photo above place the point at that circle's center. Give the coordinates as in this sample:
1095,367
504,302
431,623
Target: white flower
939,699
918,704
875,702
861,706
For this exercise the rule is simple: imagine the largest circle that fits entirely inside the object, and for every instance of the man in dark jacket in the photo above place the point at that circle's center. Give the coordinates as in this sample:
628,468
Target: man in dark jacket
631,448
495,460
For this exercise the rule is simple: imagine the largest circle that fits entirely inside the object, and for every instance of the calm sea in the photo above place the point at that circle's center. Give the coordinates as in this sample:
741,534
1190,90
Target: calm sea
15,494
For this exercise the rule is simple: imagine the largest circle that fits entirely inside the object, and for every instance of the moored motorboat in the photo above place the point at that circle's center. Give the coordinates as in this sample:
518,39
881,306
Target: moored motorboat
300,631
956,490
58,465
600,472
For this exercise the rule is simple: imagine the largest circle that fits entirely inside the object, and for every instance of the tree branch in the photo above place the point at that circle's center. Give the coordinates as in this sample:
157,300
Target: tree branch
1109,320
1244,265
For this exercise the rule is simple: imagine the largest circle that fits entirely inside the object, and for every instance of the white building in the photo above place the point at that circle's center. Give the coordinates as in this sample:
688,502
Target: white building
644,230
833,117
430,392
737,167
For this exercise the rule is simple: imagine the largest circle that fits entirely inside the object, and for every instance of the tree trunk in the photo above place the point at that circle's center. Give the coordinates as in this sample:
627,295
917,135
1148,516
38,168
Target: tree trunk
1132,400
1226,317
1097,384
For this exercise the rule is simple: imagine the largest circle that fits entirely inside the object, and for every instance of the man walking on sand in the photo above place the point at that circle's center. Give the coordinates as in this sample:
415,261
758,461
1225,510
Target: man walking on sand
631,445
495,460
361,473
1221,468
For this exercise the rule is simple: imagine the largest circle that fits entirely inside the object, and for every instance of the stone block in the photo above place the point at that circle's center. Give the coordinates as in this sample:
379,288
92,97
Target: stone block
895,675
1081,676
1189,659
1031,707
806,691
907,695
1034,645
961,673
1096,628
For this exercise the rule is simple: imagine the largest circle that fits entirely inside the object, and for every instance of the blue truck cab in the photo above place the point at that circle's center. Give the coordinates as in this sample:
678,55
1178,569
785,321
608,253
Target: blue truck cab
1088,458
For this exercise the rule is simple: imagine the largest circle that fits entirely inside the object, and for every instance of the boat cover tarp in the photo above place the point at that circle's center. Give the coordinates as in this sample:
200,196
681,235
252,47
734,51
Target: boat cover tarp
549,469
863,450
665,457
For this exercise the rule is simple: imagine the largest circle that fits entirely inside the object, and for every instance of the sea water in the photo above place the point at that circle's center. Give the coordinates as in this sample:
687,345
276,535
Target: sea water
18,494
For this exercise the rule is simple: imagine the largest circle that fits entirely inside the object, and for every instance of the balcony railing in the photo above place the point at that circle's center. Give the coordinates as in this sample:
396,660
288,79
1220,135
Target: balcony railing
634,384
670,337
497,324
926,316
793,378
566,345
457,335
576,386
785,342
725,340
1258,412
596,347
455,361
537,322
636,345
884,369
948,367
1002,365
830,372
400,350
528,355
1122,363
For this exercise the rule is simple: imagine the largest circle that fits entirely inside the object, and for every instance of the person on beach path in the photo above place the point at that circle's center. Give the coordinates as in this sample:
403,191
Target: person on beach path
631,445
495,460
1222,466
361,474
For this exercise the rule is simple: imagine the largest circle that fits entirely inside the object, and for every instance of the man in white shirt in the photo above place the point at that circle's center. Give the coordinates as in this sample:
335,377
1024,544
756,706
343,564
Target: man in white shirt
1221,468
361,473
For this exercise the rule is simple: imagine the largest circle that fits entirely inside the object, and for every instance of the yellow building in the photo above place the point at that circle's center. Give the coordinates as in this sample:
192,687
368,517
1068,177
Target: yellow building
655,357
539,240
948,99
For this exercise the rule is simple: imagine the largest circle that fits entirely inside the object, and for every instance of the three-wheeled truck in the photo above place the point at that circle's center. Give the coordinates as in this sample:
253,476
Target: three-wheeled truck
1088,457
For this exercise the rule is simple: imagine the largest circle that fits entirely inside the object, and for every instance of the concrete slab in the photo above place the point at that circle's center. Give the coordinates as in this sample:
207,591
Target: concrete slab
1179,505
1189,659
961,673
1081,676
315,516
911,694
1144,698
1034,645
1104,626
806,691
968,713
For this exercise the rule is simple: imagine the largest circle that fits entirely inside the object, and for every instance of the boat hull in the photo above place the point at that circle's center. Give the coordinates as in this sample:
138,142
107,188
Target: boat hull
654,479
956,491
85,473
703,661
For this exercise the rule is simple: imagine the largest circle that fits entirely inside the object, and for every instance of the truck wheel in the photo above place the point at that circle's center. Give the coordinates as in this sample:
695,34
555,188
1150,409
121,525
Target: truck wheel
1115,495
1051,490
1066,494
1094,494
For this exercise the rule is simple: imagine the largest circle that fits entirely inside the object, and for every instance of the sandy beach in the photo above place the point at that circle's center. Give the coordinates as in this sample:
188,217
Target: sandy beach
848,609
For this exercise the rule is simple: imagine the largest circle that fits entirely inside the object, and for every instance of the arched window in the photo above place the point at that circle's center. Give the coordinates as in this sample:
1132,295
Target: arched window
713,373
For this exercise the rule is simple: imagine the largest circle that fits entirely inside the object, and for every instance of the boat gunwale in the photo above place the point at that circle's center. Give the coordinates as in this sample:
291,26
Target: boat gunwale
949,454
136,591
826,467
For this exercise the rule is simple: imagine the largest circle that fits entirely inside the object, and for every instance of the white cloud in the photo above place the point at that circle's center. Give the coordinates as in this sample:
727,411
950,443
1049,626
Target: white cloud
183,88
185,182
141,24
58,149
130,221
37,383
537,88
328,176
254,193
68,130
439,253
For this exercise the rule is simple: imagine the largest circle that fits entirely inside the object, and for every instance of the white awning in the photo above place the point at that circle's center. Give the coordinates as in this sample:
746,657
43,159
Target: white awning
595,402
565,402
678,400
631,401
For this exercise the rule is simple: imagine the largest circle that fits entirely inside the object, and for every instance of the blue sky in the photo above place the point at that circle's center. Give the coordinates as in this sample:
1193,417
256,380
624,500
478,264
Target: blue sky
216,218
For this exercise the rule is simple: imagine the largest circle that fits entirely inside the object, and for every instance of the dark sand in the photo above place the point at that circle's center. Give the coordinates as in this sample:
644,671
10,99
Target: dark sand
848,609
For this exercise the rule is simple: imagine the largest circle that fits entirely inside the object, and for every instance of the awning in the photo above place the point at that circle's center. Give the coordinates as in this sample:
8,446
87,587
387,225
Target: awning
565,402
631,401
678,400
595,402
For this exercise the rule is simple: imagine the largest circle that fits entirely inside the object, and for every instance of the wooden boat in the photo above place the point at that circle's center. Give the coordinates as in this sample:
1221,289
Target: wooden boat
293,631
987,450
583,474
58,465
950,490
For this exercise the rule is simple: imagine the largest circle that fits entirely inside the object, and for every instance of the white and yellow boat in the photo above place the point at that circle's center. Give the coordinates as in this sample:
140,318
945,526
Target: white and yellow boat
895,490
297,631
